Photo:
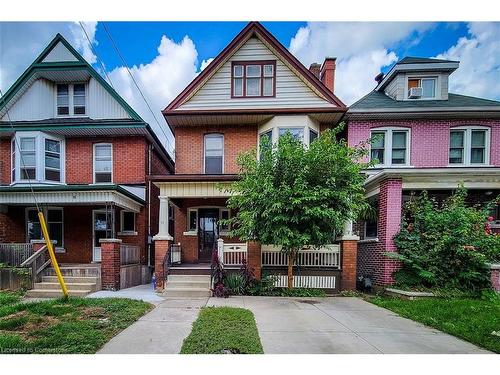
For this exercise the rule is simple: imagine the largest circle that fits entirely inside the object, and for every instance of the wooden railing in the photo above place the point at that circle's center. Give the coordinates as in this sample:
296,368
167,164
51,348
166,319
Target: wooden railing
13,254
327,256
129,254
234,253
38,262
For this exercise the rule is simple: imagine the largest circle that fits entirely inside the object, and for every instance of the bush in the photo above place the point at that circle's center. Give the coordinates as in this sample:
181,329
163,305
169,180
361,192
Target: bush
263,287
235,283
447,246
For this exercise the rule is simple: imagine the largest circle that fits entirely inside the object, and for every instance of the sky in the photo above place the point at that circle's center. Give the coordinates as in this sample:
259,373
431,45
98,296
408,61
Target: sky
165,56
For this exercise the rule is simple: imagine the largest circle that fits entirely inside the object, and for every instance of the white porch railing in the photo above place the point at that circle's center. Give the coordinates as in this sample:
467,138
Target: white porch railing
232,254
327,256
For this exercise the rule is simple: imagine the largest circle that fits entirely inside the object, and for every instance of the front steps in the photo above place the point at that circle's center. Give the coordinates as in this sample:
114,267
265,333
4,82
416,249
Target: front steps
192,286
78,286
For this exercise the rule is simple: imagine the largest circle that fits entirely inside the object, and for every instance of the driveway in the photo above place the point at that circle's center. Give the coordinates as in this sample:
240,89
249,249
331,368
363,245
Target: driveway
293,325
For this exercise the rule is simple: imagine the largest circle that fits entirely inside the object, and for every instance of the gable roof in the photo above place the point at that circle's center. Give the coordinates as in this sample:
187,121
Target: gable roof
423,60
251,29
40,65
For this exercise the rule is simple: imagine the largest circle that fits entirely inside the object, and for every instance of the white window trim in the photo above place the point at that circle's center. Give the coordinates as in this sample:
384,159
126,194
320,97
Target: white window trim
127,232
70,99
194,232
40,138
467,146
437,91
58,249
388,147
208,135
93,163
228,210
188,229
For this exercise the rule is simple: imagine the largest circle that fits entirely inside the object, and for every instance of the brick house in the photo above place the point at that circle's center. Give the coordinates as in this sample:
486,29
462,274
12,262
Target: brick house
253,89
425,139
87,155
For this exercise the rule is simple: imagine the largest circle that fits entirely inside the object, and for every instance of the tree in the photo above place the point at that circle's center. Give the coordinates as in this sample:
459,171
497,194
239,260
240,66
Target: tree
294,196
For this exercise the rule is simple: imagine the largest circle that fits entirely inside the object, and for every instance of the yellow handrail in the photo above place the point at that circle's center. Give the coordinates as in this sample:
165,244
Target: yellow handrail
52,254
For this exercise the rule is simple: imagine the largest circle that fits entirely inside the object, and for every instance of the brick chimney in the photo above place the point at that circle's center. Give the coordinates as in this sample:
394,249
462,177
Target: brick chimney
327,73
315,69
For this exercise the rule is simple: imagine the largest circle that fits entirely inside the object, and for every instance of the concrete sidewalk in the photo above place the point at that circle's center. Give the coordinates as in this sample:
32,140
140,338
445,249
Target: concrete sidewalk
293,325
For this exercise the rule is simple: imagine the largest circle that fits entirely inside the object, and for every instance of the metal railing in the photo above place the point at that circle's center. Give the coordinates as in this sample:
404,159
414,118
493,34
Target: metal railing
13,254
38,262
130,254
327,256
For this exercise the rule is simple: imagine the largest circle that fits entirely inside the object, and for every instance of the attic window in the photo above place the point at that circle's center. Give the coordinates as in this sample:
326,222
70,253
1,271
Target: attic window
421,88
251,79
71,99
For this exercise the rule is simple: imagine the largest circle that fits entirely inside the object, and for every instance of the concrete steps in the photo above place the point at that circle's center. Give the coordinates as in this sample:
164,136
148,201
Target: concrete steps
188,286
77,287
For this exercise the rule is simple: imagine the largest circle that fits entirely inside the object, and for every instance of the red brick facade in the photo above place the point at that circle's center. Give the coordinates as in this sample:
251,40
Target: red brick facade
110,264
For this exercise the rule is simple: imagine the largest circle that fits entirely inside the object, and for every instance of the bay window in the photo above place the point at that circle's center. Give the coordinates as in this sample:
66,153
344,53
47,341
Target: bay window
253,79
389,146
103,163
37,157
214,153
469,146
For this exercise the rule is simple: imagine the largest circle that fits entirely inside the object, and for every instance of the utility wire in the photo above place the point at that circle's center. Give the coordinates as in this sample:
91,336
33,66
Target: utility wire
16,144
135,82
97,56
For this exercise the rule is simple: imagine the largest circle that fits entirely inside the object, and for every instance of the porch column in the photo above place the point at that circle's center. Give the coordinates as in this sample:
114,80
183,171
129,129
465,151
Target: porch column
110,263
349,254
495,277
254,255
162,243
389,215
4,226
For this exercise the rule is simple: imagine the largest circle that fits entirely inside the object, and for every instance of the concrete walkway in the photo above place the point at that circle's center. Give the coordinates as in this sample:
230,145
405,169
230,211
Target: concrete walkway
293,325
140,292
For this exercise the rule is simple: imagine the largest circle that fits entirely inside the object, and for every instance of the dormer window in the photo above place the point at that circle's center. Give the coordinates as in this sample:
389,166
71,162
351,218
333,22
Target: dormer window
251,79
71,99
422,88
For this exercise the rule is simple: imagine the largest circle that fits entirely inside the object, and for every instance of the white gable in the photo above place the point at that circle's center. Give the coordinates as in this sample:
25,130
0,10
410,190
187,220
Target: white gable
291,91
59,53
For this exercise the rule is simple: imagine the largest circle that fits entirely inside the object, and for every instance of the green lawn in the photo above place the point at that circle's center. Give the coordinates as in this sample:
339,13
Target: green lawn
223,329
473,320
77,325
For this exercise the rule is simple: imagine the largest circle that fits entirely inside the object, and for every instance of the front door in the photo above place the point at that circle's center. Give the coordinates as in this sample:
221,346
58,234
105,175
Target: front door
207,232
101,228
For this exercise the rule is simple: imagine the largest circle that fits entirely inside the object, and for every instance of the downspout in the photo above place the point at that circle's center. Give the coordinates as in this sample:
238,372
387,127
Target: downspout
149,205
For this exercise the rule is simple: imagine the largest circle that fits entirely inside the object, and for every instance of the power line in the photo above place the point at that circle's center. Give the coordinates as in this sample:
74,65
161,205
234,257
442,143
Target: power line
135,82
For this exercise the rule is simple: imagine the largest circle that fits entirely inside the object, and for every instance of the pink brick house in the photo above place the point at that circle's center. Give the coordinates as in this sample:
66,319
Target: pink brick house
424,138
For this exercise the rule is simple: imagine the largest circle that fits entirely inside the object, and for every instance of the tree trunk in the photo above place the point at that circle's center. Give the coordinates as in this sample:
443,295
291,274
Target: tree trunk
291,260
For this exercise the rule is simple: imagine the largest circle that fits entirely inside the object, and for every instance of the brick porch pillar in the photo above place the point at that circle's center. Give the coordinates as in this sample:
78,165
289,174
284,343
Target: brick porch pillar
4,226
161,249
349,256
495,277
254,257
110,263
390,207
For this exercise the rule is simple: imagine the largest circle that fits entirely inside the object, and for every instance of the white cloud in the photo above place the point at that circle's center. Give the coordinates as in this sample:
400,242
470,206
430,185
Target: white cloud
478,53
21,42
205,63
362,50
160,80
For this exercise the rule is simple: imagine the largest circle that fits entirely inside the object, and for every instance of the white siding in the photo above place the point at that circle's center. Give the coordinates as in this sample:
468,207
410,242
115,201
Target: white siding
59,53
37,103
101,104
396,88
291,91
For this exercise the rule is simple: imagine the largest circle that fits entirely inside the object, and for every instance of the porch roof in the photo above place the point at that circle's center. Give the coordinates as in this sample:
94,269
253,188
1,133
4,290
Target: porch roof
72,195
436,178
194,185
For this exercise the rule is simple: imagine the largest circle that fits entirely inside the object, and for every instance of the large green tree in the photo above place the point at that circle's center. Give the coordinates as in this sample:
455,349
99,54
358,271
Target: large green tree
293,195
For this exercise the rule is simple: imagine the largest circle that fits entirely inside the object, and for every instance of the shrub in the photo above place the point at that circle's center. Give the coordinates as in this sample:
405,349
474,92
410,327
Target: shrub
264,286
235,283
445,246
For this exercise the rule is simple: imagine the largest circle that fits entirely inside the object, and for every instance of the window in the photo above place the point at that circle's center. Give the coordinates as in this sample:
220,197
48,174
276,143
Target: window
214,153
390,146
267,135
192,220
79,99
62,100
371,229
71,99
103,163
469,146
28,158
224,215
297,133
127,222
55,224
38,157
428,86
13,159
313,135
253,79
52,160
